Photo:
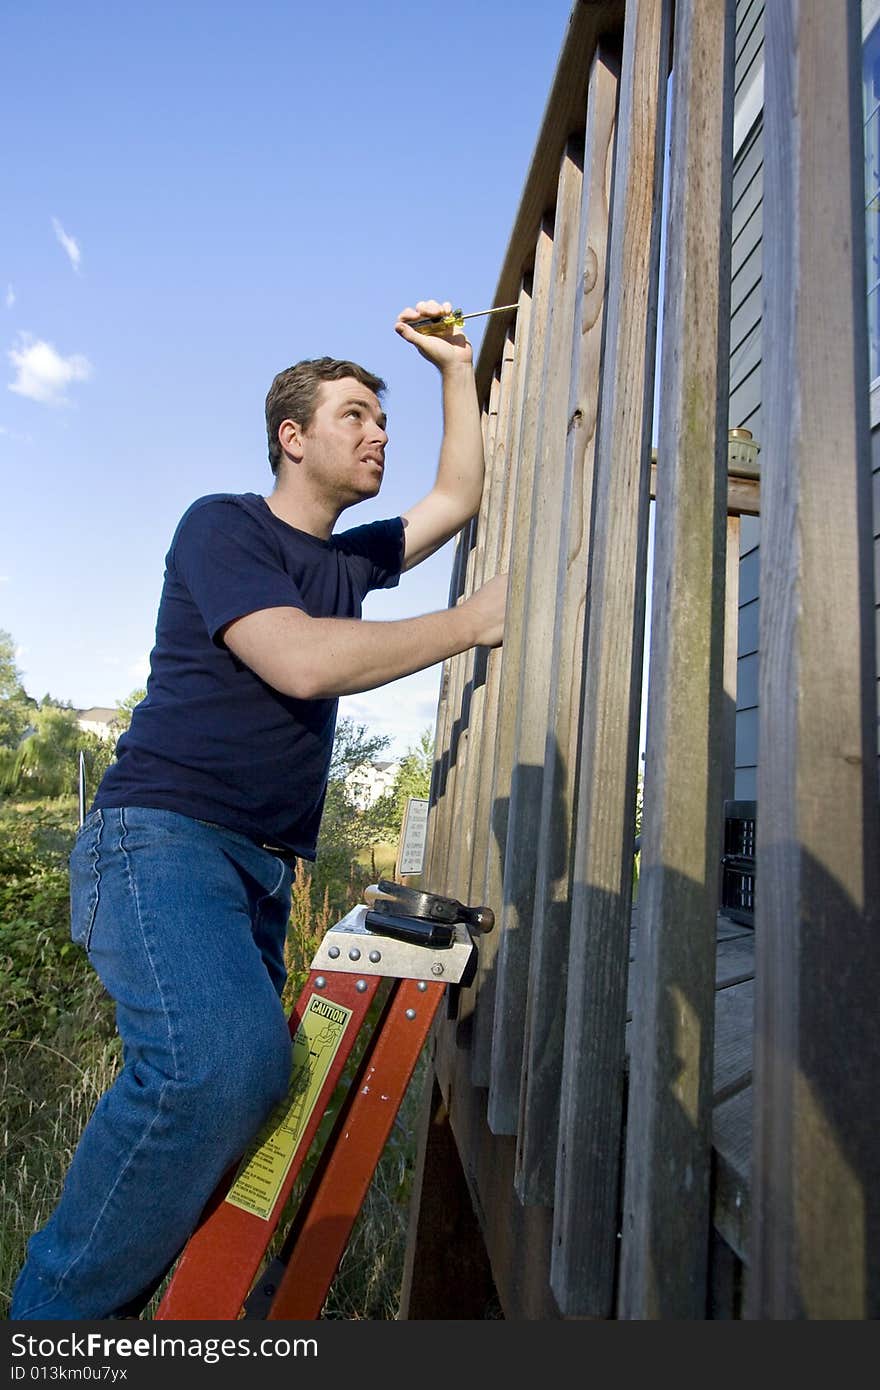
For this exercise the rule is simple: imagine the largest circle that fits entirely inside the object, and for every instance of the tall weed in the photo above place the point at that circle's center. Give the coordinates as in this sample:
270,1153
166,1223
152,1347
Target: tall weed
59,1053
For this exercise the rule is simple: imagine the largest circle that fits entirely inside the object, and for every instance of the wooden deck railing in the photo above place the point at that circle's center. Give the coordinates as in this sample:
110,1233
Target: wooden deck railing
582,1081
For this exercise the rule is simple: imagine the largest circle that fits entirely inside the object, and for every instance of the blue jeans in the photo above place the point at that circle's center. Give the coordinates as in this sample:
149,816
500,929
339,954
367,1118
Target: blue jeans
185,924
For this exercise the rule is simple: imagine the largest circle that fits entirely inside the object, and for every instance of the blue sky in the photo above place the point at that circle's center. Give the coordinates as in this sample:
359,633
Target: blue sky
198,195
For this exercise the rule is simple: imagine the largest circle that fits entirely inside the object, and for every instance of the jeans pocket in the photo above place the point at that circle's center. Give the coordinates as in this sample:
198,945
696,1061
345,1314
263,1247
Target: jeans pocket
85,880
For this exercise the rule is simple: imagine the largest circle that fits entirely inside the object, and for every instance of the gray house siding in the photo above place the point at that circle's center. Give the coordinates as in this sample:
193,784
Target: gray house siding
745,377
875,459
745,368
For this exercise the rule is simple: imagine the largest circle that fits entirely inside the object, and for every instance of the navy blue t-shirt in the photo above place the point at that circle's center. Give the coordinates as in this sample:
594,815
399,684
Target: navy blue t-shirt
211,739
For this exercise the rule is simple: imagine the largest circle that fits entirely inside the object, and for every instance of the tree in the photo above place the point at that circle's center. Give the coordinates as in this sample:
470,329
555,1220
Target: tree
16,706
413,779
414,774
346,830
50,756
46,762
125,709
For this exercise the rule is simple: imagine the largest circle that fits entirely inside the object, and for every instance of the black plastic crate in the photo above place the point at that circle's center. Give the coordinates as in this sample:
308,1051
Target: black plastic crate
738,862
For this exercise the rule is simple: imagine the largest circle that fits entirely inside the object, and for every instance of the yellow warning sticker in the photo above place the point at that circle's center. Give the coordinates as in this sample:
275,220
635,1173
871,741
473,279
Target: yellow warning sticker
267,1162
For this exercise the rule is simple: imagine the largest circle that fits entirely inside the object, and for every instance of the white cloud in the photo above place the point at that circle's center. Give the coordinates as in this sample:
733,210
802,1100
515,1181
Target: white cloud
4,578
10,296
70,246
43,373
402,710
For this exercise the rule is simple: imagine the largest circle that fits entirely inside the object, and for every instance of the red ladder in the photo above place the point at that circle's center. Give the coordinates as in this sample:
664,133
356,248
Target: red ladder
216,1271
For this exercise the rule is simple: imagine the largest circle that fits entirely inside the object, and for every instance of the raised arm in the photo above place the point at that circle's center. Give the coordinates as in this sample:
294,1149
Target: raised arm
314,658
455,496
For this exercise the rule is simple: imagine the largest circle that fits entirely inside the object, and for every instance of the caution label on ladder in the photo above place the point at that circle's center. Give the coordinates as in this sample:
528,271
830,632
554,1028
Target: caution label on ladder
266,1164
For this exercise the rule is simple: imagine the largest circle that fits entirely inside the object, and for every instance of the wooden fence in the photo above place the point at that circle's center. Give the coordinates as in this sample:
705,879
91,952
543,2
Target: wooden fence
641,1110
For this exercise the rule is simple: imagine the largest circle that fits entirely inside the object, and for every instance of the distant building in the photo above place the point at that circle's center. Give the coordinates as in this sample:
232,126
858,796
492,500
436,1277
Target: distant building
97,720
370,781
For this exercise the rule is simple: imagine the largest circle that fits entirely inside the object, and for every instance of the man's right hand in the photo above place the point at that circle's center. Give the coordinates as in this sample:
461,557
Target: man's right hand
488,606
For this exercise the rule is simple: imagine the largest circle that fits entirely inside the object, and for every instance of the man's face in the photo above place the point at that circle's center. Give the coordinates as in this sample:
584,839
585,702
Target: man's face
344,446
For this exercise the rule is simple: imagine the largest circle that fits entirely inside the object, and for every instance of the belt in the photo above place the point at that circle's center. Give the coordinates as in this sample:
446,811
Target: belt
280,851
288,855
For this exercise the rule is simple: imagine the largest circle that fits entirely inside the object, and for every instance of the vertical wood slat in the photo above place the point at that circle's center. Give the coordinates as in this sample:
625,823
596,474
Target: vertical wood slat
815,1195
438,826
480,831
585,1209
506,446
511,653
536,655
545,1005
443,721
497,480
456,716
666,1217
472,664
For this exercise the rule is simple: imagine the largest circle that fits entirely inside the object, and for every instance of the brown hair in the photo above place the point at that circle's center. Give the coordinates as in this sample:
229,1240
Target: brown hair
293,394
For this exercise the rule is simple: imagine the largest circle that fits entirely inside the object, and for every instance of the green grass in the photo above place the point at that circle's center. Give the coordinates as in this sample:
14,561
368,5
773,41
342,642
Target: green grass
50,1088
382,856
51,1080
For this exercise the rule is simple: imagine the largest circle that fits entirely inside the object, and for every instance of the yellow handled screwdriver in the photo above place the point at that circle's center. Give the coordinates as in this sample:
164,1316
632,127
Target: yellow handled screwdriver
456,319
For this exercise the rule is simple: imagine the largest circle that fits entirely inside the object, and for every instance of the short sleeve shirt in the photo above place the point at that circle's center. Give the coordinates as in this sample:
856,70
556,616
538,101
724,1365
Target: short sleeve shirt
211,739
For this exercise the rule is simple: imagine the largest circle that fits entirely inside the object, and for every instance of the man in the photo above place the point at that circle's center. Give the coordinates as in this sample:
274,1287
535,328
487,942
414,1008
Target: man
181,873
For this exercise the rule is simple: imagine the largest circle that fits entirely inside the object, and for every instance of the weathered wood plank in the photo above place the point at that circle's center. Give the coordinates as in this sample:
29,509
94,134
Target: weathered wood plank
507,446
548,962
743,494
438,805
531,710
474,661
517,1237
443,717
669,1116
815,1190
585,1211
590,23
734,1044
444,850
456,723
734,1028
482,719
734,962
511,652
446,1269
731,1160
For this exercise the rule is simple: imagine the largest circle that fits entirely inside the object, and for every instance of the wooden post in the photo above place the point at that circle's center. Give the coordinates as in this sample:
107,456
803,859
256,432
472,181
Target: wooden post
585,1209
443,729
472,669
456,723
506,445
530,714
548,960
669,1118
446,1270
511,651
816,1161
481,732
